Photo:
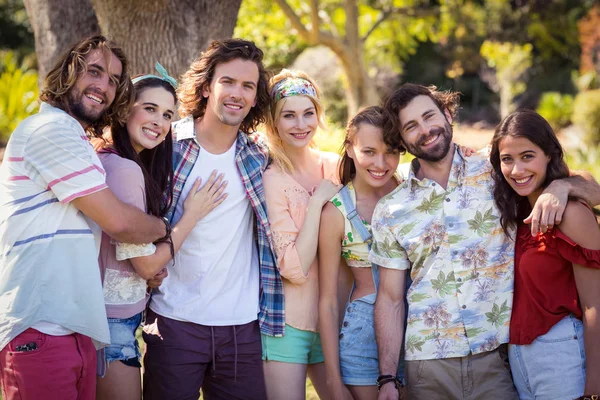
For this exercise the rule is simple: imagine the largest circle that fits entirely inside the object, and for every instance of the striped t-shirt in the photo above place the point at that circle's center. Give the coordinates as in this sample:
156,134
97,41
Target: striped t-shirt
48,248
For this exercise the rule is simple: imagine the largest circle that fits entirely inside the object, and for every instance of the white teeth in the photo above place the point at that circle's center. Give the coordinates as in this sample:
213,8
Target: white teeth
300,135
430,141
94,98
150,132
378,174
522,180
235,107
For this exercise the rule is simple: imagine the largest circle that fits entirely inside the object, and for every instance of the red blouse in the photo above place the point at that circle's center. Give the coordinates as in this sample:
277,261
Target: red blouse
545,290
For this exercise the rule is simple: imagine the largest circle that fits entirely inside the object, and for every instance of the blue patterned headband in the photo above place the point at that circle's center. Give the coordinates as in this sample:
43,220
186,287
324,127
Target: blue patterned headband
164,76
292,87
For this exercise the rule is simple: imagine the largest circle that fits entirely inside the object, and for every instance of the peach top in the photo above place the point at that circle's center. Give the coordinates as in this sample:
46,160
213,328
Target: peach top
287,202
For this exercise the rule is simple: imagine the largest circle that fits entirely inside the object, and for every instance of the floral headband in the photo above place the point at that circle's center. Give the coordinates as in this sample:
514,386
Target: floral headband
164,76
292,87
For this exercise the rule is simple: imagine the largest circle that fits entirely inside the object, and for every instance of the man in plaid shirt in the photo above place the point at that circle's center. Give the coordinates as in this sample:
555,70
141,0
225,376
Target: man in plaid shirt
203,323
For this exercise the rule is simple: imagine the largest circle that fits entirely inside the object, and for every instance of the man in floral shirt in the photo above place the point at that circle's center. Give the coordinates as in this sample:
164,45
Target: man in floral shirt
441,225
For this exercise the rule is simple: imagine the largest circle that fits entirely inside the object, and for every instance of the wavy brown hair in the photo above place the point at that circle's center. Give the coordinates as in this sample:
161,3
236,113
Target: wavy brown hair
67,70
529,125
371,116
392,132
201,72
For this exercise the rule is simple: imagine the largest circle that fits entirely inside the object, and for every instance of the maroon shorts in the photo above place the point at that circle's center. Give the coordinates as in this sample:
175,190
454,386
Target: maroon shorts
182,357
39,366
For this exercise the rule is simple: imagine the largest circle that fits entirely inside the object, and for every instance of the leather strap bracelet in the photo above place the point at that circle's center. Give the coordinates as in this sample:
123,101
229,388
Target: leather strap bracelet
383,379
167,239
167,229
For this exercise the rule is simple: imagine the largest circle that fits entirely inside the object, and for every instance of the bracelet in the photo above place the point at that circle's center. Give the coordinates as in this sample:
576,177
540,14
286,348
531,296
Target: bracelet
168,239
383,379
167,229
590,397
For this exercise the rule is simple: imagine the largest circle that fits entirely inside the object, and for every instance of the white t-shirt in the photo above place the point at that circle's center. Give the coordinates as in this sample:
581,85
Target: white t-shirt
215,280
49,276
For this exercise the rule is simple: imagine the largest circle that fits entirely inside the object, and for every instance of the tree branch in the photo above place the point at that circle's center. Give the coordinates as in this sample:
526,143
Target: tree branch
386,13
327,18
314,18
295,20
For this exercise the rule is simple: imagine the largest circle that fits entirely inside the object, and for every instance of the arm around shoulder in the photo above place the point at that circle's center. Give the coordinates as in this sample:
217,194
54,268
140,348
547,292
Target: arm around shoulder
580,225
583,185
123,222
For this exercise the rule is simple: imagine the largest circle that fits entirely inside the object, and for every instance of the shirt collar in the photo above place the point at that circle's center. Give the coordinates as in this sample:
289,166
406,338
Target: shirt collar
456,173
185,129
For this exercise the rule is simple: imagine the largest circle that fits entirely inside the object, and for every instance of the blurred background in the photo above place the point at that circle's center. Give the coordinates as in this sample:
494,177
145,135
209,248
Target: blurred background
500,54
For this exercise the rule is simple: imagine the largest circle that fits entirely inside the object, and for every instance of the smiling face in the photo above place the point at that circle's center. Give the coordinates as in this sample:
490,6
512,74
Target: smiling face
95,88
374,162
523,165
426,131
232,92
150,118
297,121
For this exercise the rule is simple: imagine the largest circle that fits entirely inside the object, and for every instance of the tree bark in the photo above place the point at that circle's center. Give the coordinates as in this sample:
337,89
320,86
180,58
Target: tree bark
172,32
57,25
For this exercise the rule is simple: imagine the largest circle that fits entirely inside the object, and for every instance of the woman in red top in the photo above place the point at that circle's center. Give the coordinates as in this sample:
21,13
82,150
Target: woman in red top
555,324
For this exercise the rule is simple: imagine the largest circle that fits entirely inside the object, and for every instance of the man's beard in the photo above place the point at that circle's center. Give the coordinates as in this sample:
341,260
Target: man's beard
78,110
441,148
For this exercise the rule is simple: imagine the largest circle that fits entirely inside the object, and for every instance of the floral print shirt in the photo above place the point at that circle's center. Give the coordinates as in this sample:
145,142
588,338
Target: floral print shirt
459,258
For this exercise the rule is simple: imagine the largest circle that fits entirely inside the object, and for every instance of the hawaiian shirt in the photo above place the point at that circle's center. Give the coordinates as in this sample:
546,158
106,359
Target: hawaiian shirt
252,158
459,258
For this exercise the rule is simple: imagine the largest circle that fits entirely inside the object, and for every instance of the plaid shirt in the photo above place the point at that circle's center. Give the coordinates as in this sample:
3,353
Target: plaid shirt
251,158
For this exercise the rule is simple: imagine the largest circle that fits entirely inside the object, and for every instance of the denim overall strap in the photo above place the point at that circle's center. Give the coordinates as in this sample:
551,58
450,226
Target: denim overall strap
353,216
360,228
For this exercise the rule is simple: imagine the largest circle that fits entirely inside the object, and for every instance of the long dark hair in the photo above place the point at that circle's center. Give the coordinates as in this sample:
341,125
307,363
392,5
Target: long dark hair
529,125
370,115
156,163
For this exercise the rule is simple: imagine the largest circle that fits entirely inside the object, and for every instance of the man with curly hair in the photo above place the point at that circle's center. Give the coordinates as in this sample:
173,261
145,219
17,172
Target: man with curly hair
204,321
54,205
442,226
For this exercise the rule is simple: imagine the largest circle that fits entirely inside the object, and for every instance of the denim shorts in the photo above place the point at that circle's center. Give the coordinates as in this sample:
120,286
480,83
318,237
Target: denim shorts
553,366
296,346
359,362
123,344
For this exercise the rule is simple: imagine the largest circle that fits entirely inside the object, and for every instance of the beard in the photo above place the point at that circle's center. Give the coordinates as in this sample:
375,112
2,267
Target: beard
78,109
441,148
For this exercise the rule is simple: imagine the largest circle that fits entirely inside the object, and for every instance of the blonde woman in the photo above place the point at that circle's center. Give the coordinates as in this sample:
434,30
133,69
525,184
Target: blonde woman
297,185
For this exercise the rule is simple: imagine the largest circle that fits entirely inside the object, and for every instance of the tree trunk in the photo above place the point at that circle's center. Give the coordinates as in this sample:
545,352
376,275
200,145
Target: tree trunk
57,25
360,90
172,32
359,87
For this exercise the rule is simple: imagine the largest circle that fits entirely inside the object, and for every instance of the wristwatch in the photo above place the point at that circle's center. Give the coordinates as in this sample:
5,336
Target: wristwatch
383,379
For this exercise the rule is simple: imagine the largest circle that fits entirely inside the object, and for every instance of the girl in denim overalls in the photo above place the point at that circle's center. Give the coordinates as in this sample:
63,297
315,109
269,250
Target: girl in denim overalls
368,171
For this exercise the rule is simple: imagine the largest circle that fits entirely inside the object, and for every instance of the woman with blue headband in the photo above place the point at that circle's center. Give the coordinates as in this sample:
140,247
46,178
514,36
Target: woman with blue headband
300,180
138,165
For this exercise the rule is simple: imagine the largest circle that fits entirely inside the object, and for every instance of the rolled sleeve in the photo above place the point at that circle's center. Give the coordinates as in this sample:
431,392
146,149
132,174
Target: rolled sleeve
386,251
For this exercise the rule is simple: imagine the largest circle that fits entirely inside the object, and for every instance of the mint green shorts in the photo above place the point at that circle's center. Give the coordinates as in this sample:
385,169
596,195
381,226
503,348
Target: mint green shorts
296,346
